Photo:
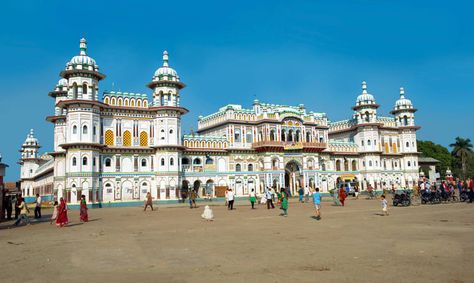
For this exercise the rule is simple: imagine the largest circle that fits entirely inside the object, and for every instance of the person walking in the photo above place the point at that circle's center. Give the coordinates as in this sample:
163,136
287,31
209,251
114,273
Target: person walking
192,199
384,205
230,197
356,191
283,199
306,194
253,198
23,213
62,219
55,212
9,207
269,197
148,201
301,194
342,195
38,206
17,206
84,216
317,203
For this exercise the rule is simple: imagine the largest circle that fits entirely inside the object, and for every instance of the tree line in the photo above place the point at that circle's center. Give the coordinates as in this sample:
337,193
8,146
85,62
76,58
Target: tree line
460,159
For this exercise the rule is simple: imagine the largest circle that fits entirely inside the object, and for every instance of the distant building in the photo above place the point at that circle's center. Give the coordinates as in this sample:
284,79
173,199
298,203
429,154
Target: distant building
119,147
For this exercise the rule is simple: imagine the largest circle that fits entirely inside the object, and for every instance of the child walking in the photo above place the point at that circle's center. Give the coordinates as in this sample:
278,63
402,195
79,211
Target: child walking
384,205
317,203
55,212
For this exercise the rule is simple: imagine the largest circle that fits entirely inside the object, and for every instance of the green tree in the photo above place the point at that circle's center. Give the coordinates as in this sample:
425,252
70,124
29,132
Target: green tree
439,152
462,150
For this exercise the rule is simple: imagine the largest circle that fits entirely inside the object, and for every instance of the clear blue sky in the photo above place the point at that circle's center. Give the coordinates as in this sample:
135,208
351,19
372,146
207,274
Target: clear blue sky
285,52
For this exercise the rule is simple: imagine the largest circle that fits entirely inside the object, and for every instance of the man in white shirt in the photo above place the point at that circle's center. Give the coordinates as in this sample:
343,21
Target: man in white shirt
306,194
230,200
38,206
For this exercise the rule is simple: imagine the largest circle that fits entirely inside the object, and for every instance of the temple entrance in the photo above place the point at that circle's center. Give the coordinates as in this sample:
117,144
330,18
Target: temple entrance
293,177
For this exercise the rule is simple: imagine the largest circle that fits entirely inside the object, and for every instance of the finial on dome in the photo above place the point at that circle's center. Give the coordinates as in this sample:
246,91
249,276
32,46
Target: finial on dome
165,58
83,46
364,87
32,133
402,92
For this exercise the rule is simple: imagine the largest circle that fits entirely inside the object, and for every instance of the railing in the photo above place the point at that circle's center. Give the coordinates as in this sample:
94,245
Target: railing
289,145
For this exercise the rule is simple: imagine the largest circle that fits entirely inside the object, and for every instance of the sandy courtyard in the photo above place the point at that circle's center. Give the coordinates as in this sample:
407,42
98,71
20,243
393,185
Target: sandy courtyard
430,243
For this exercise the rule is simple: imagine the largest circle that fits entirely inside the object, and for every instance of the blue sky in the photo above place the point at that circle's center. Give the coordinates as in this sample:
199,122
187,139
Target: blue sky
284,52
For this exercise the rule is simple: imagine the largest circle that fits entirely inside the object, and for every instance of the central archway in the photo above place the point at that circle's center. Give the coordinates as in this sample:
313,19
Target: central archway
293,176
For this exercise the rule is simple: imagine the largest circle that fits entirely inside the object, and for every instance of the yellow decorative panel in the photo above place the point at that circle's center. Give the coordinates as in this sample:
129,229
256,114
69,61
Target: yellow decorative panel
394,148
109,137
143,139
127,138
386,148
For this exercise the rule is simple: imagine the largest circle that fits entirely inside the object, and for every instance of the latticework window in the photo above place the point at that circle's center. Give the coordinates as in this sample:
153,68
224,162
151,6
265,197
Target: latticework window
127,138
143,139
109,137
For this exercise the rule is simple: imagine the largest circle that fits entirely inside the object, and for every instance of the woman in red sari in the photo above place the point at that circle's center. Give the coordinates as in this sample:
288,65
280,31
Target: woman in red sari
62,220
342,195
83,214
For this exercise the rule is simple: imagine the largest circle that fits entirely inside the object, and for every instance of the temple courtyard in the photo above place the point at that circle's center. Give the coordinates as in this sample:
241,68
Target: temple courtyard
429,243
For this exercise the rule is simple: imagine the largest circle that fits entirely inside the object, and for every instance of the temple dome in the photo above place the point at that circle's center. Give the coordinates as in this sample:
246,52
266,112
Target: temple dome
82,61
165,72
365,97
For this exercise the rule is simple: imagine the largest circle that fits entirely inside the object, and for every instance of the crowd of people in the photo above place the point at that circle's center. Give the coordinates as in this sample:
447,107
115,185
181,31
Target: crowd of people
58,217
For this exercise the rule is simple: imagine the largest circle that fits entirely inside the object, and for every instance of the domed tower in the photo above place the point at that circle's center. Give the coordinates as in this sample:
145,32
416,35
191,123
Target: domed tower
59,93
405,121
404,111
365,109
29,161
166,85
82,73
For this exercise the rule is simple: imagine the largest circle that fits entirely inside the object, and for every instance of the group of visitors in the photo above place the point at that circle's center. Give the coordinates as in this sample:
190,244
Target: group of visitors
59,216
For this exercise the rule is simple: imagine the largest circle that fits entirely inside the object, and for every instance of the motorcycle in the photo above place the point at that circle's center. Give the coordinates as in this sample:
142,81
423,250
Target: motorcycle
464,196
403,199
430,197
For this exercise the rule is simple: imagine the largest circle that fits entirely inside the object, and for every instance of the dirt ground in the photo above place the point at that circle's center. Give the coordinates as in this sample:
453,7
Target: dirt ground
429,243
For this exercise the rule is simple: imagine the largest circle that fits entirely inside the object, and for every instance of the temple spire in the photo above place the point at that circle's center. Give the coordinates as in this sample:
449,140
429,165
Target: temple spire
165,58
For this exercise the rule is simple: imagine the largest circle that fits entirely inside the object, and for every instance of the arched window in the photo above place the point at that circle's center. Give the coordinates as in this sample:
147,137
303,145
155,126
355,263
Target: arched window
283,135
108,162
185,161
84,89
368,142
132,102
346,165
238,167
171,131
139,103
290,135
74,161
209,161
275,164
171,161
362,142
145,103
127,138
74,130
84,161
354,165
237,136
162,162
405,120
408,144
113,101
109,137
308,137
74,91
197,161
84,130
143,162
338,165
250,167
106,100
272,135
370,163
409,163
143,139
367,116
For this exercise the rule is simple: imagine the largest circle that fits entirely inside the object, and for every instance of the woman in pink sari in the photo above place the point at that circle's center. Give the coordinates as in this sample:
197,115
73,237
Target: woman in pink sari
62,220
83,213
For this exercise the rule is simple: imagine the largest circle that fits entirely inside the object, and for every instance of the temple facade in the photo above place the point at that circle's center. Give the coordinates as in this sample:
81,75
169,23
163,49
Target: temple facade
117,146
